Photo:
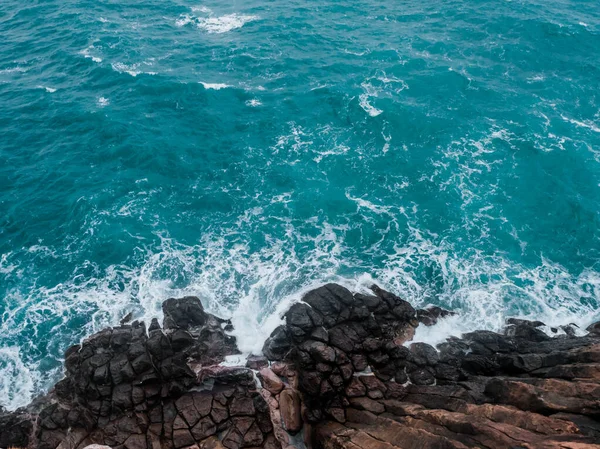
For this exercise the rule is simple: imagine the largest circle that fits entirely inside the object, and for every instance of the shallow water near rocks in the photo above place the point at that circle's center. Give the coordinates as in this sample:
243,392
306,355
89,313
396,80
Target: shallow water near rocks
246,151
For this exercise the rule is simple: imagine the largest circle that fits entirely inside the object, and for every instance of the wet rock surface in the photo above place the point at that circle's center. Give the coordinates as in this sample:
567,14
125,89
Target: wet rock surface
340,373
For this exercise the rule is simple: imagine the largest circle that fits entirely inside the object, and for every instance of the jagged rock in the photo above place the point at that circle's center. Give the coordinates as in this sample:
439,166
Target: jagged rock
183,313
319,351
594,328
339,371
431,315
15,429
424,354
277,345
527,332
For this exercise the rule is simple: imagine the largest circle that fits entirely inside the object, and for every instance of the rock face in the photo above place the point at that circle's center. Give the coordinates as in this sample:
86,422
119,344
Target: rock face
340,373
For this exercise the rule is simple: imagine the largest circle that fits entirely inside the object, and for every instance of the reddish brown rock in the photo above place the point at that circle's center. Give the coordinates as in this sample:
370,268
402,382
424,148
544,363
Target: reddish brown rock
356,388
338,366
204,428
367,404
181,438
270,381
289,406
241,406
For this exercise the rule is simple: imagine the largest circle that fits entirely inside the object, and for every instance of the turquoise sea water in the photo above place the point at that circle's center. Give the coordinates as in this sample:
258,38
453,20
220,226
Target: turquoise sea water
245,151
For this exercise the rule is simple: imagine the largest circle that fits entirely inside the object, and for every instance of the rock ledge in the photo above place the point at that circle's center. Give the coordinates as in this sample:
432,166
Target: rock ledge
340,373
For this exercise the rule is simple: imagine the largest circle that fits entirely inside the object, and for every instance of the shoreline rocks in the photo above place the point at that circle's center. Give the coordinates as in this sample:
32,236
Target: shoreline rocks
340,373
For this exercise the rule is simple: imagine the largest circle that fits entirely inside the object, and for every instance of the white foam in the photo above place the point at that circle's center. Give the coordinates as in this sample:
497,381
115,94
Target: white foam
224,24
132,69
386,145
184,20
444,328
202,9
254,102
215,86
16,69
87,53
103,102
369,109
336,150
582,124
255,284
234,360
5,266
50,90
357,53
536,78
380,85
17,381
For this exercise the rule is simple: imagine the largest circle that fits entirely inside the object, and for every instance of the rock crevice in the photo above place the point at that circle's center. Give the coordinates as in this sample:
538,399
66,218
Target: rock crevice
341,372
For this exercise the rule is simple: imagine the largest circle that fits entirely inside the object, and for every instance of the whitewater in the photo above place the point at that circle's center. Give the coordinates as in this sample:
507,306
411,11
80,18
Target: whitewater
246,152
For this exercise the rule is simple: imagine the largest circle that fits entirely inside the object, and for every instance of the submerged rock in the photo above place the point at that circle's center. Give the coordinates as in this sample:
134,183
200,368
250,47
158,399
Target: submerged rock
336,375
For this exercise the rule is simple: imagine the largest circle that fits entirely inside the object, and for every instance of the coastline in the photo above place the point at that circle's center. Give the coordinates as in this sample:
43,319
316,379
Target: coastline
340,373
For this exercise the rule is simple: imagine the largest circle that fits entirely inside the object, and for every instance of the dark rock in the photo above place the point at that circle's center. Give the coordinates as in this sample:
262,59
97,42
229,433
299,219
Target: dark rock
359,362
424,354
329,301
594,328
204,428
526,331
430,315
130,389
15,429
257,362
253,436
183,313
344,337
241,406
421,376
219,413
233,439
319,351
277,345
182,438
299,316
320,334
520,322
364,403
356,389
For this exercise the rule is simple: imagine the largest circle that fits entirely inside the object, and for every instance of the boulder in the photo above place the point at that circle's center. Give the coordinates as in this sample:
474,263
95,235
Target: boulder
270,381
289,406
337,369
183,313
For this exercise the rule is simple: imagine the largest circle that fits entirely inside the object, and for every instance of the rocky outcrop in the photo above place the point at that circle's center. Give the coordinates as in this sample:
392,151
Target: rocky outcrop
340,373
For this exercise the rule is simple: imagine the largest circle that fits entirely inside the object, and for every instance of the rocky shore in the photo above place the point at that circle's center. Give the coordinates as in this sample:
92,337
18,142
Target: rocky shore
340,373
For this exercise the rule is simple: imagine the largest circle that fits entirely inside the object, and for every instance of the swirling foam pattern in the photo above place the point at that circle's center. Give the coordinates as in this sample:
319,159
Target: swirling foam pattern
246,151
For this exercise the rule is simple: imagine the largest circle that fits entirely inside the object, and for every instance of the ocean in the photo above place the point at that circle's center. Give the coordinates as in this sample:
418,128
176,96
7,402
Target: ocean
247,151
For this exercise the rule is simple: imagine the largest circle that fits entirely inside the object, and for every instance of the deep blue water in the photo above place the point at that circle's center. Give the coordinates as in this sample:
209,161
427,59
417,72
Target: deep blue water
245,151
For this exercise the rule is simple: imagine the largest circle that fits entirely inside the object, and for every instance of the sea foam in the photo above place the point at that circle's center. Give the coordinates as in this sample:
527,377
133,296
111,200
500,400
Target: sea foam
225,23
212,23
